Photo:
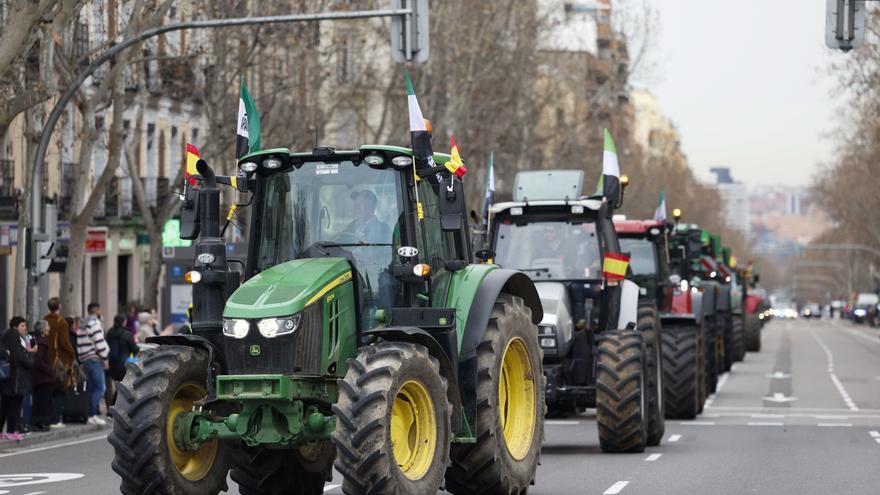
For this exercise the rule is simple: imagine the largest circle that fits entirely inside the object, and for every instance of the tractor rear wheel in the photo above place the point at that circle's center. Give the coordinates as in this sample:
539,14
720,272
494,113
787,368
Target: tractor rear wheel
622,391
727,346
738,339
649,326
681,365
712,349
264,471
393,421
510,407
165,382
752,333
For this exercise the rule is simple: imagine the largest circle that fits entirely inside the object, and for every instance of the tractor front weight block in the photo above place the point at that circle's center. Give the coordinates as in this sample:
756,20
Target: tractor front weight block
273,410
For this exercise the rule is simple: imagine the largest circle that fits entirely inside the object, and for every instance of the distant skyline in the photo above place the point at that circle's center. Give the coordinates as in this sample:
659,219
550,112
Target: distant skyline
746,84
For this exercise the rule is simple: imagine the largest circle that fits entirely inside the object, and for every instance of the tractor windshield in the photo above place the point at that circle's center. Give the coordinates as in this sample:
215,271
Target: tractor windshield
550,250
324,209
643,257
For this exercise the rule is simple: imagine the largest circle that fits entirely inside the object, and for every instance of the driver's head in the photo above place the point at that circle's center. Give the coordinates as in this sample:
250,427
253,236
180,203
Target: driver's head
551,233
364,204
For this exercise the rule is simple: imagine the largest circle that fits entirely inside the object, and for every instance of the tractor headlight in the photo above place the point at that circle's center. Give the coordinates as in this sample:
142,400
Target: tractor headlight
237,329
547,336
272,163
248,167
274,327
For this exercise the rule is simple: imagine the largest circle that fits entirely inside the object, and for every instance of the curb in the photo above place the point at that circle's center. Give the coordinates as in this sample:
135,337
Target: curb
70,431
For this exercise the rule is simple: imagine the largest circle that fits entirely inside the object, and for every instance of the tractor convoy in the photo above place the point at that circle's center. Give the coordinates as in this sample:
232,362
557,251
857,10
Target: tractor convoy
365,334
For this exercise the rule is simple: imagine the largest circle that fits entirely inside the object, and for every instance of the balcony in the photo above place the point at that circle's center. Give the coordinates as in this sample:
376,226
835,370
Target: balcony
8,194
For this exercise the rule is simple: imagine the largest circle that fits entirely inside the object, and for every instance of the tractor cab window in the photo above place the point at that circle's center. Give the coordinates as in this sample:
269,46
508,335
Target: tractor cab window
643,256
550,250
335,209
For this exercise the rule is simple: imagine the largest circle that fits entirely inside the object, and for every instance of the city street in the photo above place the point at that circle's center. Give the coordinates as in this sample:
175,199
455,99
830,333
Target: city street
801,417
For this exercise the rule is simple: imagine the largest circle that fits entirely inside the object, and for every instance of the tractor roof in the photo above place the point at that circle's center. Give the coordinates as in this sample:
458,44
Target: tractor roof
636,226
588,203
331,154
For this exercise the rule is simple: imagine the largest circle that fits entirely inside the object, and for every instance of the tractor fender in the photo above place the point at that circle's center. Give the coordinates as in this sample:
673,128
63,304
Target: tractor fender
215,365
415,335
629,305
497,281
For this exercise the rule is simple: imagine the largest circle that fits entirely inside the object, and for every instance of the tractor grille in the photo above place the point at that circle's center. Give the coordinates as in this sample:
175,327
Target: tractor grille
297,353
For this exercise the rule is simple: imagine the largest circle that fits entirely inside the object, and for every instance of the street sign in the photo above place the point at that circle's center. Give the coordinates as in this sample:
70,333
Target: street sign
845,24
410,34
96,241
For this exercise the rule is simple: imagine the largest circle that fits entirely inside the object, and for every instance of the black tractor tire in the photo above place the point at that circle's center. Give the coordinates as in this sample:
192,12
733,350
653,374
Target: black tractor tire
681,368
489,466
649,326
738,338
727,353
752,333
622,391
383,376
265,471
712,353
144,457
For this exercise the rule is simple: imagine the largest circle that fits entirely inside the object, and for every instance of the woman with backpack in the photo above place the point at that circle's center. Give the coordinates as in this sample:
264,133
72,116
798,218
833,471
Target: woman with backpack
20,357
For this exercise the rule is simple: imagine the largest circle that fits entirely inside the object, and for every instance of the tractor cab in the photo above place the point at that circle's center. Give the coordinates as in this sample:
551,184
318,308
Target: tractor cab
647,243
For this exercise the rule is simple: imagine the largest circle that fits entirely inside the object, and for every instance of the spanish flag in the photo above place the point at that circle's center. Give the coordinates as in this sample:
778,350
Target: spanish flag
615,266
191,174
455,165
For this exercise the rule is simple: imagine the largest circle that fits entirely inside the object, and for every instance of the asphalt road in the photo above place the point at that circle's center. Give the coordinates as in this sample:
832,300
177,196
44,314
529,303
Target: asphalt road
801,417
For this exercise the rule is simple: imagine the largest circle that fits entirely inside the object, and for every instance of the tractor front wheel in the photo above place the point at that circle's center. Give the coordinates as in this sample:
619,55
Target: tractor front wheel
649,326
165,382
622,391
393,421
752,333
510,407
738,339
301,471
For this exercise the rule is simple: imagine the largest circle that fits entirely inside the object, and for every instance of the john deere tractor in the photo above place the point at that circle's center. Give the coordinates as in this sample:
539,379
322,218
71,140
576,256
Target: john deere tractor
361,337
596,353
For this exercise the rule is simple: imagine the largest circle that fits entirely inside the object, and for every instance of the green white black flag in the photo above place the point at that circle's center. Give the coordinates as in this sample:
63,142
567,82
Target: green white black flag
247,138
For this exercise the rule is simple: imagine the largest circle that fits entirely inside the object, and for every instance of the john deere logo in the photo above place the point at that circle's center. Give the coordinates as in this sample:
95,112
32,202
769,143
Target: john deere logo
255,350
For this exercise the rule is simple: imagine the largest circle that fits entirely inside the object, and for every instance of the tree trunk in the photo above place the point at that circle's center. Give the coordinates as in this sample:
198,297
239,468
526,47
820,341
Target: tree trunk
154,270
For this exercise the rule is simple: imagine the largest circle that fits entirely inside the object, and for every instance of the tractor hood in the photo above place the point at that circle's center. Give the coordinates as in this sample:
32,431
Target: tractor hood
287,288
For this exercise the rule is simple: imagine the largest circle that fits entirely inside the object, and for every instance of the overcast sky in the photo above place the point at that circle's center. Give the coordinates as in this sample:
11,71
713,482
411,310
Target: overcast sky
746,83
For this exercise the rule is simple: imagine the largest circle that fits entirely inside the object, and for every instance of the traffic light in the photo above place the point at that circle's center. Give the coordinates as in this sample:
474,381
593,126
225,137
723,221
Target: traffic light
845,24
410,40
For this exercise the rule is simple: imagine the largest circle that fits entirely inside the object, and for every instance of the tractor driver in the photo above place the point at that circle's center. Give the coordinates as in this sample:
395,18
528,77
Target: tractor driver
366,227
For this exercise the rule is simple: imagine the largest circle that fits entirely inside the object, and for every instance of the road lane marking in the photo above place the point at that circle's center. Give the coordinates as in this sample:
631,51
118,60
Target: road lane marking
779,398
652,457
674,438
330,487
561,422
833,424
768,416
616,488
778,375
875,434
697,423
721,381
831,416
850,404
765,423
50,447
877,440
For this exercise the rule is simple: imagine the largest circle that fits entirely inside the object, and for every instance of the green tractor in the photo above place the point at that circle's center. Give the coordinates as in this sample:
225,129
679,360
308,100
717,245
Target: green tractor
362,338
599,351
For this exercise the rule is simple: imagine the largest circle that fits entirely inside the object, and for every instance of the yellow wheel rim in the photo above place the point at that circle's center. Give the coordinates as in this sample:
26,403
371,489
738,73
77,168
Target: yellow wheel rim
192,465
413,430
516,399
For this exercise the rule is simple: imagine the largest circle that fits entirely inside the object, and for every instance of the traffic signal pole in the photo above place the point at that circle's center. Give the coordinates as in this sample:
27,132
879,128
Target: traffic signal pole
37,233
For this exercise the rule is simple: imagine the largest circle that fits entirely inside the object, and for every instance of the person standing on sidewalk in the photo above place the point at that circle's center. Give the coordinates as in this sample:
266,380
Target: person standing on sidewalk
13,389
62,356
42,380
93,352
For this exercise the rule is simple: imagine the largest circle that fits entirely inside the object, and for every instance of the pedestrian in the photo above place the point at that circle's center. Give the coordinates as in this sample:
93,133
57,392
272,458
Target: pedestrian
93,353
27,405
122,348
42,380
131,319
13,389
62,356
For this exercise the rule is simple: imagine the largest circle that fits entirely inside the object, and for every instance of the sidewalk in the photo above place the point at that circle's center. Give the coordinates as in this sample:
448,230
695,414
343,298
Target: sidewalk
73,430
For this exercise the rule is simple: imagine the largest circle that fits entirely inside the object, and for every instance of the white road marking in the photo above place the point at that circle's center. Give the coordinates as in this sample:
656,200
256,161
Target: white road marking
697,423
721,381
673,438
330,487
767,416
877,440
831,425
652,457
778,375
14,480
34,493
850,404
50,447
831,416
875,434
779,398
765,423
561,422
616,488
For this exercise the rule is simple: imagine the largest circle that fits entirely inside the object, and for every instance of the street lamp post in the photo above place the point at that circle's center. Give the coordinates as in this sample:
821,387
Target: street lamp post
36,233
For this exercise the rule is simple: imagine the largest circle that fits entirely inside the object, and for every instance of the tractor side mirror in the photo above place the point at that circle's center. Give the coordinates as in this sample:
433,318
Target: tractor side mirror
451,205
189,215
